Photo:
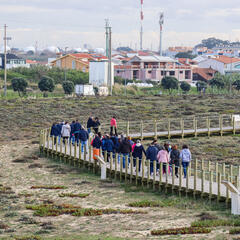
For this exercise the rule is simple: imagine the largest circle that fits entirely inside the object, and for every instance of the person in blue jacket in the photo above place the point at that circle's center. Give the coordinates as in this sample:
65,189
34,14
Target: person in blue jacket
77,128
151,154
54,132
83,136
97,143
72,137
138,153
109,147
59,126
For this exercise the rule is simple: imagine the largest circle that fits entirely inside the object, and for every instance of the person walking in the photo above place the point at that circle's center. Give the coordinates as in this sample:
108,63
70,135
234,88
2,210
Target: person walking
109,147
54,132
163,157
113,124
96,144
83,136
77,129
59,126
72,136
175,158
96,125
90,124
138,153
125,149
66,130
151,154
186,158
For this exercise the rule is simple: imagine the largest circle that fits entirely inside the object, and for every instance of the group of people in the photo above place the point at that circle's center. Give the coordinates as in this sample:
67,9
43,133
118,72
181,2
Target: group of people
125,147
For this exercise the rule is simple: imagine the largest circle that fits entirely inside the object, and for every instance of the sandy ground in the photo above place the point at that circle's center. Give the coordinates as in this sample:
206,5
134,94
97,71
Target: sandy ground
20,178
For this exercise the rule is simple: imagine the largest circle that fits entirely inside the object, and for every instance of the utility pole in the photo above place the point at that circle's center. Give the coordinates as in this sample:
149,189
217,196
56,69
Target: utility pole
141,30
161,21
107,36
110,59
5,60
65,74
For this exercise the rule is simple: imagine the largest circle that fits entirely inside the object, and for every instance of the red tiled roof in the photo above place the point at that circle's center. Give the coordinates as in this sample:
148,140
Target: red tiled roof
226,60
204,72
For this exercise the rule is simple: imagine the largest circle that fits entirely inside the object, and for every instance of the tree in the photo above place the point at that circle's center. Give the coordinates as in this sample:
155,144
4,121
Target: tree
219,81
19,85
185,55
169,83
46,84
185,86
68,87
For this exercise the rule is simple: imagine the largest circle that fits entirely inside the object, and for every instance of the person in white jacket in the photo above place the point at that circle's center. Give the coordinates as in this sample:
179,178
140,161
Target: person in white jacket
66,130
186,158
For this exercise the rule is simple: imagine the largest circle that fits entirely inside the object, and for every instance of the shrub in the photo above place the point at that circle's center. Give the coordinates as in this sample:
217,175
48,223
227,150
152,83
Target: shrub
19,85
216,223
146,203
49,187
169,83
79,195
46,84
234,231
68,87
186,87
176,231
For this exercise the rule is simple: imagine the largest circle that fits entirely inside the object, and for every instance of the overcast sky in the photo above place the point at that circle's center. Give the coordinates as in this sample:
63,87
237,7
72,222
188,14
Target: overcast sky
75,22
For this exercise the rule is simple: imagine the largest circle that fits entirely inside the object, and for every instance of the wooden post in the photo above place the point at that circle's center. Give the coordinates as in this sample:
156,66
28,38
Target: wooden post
75,153
65,152
116,166
210,185
221,125
80,150
111,163
70,147
195,126
126,168
216,170
169,129
121,167
227,191
85,153
141,129
182,127
143,170
237,182
127,129
203,183
231,172
154,174
180,180
105,156
223,170
167,167
195,179
90,153
137,170
173,177
190,169
209,126
219,186
131,168
202,164
187,181
61,149
155,129
209,165
234,126
148,173
160,174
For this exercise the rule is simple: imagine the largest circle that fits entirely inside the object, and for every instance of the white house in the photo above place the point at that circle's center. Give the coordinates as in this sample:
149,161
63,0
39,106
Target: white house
222,64
98,73
13,61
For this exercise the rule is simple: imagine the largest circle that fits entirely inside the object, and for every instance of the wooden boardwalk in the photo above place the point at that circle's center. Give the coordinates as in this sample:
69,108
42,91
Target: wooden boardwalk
204,178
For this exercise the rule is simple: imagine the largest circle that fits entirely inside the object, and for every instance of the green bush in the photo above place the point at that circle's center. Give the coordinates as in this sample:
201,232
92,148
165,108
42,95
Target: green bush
186,87
216,223
46,84
19,85
68,87
169,83
234,231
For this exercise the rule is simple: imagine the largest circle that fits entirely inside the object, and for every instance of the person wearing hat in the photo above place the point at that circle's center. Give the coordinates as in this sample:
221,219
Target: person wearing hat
138,153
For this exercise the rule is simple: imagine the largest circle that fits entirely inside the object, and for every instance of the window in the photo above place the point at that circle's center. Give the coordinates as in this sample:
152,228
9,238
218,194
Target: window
149,72
172,73
181,72
73,64
163,73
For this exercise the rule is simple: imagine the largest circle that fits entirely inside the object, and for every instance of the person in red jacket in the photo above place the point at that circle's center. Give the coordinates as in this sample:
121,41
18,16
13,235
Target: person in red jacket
113,124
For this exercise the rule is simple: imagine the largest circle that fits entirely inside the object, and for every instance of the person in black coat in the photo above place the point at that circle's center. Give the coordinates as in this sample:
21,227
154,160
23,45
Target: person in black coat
96,124
138,153
77,129
83,136
72,136
175,158
90,124
125,149
54,132
59,127
97,143
151,154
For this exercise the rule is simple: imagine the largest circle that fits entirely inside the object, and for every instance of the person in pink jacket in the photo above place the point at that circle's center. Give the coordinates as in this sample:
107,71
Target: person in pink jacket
113,124
163,156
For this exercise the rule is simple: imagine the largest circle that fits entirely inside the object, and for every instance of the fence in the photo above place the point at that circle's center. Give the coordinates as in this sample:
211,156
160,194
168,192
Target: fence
203,177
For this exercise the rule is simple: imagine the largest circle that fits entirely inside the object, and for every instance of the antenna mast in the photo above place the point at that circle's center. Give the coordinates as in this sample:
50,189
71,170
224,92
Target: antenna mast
141,31
161,22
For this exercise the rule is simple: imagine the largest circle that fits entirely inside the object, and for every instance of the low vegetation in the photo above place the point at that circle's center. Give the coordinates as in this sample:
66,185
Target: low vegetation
49,187
72,195
216,223
177,231
146,203
234,231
